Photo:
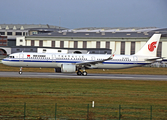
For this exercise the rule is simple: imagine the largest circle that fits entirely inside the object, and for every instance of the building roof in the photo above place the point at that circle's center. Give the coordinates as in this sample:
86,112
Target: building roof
106,33
27,26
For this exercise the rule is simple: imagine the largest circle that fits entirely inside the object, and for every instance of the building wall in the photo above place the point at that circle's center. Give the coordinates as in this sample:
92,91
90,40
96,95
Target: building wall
80,44
115,44
57,43
137,46
164,49
20,41
117,48
71,44
127,48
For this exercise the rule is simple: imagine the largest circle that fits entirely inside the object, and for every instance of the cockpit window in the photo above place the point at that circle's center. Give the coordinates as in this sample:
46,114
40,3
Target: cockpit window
11,56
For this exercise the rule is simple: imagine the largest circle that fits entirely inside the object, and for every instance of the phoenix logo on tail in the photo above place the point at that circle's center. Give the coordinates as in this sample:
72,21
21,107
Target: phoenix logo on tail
152,46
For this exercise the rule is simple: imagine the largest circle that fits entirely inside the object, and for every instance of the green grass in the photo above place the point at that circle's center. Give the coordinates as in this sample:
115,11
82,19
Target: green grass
73,95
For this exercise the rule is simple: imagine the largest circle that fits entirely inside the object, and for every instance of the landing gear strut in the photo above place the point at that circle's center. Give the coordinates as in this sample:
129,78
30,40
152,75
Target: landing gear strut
20,72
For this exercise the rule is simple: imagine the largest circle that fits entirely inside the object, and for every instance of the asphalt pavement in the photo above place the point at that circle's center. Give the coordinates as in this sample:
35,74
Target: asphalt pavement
89,76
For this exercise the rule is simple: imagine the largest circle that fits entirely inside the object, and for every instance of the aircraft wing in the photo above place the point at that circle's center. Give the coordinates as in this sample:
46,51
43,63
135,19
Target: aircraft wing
84,64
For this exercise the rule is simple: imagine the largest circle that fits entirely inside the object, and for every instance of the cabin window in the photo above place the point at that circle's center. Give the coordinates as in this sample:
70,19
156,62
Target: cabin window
11,56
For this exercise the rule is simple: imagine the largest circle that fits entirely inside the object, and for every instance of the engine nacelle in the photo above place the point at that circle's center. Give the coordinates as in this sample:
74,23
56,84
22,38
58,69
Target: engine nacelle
66,68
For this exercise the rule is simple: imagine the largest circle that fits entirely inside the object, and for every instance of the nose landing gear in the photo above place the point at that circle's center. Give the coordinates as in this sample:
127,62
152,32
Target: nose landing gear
20,72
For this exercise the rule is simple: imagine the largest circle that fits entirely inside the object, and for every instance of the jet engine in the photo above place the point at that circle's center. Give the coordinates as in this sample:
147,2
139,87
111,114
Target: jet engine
66,68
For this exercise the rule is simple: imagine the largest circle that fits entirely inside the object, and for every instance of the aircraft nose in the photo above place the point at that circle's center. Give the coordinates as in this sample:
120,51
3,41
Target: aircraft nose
3,61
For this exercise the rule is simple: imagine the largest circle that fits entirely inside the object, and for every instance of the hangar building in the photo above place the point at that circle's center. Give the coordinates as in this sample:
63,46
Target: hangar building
122,40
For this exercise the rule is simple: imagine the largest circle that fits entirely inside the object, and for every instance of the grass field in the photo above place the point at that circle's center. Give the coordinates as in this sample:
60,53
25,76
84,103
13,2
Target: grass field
73,95
137,99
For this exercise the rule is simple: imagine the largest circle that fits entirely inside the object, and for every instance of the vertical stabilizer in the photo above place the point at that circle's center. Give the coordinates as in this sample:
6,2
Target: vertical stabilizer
150,48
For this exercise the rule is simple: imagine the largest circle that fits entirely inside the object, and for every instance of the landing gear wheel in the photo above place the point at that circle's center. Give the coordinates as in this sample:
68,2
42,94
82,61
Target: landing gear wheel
84,73
79,73
20,72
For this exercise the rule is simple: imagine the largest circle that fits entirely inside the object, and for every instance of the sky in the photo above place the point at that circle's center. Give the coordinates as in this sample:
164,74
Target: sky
85,13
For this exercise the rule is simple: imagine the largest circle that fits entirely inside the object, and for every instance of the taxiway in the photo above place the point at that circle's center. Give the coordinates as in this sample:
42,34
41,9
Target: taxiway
89,76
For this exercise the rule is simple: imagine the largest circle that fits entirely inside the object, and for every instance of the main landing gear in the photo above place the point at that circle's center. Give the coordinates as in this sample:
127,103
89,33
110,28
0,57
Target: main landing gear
84,73
20,72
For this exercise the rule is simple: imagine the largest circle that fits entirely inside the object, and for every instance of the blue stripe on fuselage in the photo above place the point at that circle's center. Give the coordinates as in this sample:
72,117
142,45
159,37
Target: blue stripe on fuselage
69,61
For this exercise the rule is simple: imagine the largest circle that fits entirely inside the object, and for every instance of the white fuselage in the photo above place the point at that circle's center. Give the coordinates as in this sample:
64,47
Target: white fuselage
51,60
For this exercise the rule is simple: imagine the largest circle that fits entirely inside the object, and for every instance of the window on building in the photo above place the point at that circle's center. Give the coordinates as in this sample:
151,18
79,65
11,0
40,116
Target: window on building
108,44
132,51
62,44
32,42
75,44
98,44
9,33
41,43
84,44
34,32
53,44
18,33
159,50
123,48
21,40
2,33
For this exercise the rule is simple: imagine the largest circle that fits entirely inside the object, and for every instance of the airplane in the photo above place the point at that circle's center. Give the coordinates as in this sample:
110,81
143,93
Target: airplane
71,63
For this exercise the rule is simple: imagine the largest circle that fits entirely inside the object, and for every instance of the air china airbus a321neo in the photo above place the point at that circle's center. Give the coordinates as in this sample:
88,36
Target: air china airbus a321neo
80,62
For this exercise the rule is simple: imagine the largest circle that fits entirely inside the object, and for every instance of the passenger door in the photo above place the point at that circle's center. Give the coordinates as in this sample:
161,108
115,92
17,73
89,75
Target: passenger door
53,58
21,57
135,59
